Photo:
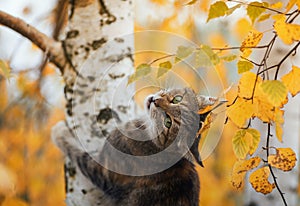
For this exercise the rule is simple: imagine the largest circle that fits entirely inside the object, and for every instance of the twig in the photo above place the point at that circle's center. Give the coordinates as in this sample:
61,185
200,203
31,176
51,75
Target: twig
160,58
45,43
284,58
263,62
270,167
263,7
240,47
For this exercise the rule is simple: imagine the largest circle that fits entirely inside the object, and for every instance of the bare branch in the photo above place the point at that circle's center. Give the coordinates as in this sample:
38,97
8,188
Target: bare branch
270,167
52,48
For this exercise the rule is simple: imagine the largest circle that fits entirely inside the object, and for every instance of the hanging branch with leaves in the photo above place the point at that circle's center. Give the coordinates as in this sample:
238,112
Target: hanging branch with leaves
259,95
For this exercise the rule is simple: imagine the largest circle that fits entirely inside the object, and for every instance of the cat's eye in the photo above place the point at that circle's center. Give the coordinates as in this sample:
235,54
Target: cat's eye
177,99
168,122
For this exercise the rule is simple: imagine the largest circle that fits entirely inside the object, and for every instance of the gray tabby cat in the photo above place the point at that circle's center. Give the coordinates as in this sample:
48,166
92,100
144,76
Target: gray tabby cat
168,134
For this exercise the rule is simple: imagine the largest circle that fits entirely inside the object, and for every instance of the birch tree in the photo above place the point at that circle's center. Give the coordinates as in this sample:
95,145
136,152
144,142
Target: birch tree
95,59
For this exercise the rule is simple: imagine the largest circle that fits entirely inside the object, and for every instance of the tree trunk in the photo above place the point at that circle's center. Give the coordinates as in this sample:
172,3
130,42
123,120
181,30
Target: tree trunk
99,47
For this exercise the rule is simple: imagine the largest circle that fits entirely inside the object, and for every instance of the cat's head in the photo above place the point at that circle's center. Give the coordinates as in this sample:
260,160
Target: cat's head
175,118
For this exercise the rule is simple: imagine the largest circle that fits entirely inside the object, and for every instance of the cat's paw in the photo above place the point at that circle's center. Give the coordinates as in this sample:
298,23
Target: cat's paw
62,137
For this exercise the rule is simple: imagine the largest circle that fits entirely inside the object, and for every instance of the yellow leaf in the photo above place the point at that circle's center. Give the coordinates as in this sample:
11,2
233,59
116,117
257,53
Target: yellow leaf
252,39
279,120
291,4
275,90
255,9
291,80
237,179
217,9
245,142
264,110
240,111
141,71
288,33
240,168
254,140
259,180
229,58
285,159
264,17
206,124
163,68
246,165
246,84
277,5
183,52
242,28
244,66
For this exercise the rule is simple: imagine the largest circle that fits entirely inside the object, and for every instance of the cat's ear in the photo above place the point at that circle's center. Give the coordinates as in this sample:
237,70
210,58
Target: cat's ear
205,101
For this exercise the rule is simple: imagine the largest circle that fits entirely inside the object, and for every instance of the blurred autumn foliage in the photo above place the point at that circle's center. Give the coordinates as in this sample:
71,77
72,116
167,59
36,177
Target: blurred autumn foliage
31,167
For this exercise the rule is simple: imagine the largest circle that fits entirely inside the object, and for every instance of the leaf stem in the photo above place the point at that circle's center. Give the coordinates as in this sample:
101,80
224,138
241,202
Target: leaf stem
160,58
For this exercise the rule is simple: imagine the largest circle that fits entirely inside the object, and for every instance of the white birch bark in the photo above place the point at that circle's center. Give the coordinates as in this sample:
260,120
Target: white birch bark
99,48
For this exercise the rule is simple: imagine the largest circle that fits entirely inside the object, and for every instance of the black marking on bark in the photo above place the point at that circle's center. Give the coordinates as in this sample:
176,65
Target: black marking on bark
68,57
83,191
108,18
106,114
98,43
72,34
91,78
87,49
76,53
71,170
105,132
65,177
119,40
72,2
86,114
122,109
69,106
116,76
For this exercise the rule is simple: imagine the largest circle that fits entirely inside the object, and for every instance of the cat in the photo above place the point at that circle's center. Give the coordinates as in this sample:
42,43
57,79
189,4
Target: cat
168,135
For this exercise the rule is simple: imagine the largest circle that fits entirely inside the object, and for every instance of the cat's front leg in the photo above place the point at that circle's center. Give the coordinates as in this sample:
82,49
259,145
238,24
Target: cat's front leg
101,177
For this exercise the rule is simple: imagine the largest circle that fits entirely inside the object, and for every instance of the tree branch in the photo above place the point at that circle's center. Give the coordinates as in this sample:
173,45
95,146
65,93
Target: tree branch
52,48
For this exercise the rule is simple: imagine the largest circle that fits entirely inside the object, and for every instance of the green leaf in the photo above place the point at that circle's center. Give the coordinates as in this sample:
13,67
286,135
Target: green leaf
245,142
229,58
217,9
240,144
163,68
244,66
141,71
202,59
276,91
255,9
232,9
205,57
183,52
214,58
